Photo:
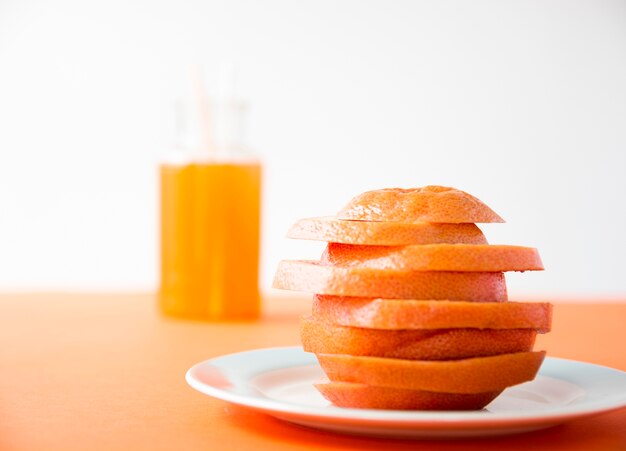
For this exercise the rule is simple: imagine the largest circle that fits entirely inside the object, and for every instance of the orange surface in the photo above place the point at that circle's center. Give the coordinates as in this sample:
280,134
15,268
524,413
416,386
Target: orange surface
104,372
313,277
473,375
437,344
428,204
210,218
412,314
384,233
435,257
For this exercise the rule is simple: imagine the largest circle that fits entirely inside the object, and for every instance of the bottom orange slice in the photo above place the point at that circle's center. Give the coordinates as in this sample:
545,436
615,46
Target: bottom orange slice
347,394
473,375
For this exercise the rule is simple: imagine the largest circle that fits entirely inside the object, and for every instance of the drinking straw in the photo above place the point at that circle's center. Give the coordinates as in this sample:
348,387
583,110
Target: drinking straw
226,99
201,100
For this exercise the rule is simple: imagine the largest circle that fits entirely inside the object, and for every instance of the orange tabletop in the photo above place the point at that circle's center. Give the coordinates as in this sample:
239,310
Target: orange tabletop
97,371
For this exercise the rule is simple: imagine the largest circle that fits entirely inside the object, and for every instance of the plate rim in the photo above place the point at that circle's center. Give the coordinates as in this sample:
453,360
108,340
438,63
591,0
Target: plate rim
402,417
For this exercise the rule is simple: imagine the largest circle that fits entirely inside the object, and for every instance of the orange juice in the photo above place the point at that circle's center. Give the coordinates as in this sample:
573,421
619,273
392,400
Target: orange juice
210,221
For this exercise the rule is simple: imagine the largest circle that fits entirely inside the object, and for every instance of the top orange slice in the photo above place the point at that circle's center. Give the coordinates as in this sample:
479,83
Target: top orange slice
427,204
380,233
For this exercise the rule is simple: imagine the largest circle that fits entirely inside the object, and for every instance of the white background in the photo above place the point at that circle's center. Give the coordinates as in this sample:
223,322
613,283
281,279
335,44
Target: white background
521,103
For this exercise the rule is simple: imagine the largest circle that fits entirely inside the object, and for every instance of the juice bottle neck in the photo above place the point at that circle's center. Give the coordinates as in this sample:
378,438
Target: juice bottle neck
210,128
196,139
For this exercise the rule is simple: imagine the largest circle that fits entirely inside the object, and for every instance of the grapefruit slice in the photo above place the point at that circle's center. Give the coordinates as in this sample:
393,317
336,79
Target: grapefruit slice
313,277
427,204
473,375
361,396
435,257
384,233
436,344
412,314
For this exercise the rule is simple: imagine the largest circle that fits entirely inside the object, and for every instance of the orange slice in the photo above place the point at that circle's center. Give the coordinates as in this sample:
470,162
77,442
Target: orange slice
435,257
437,344
384,233
361,396
313,277
412,314
427,204
474,375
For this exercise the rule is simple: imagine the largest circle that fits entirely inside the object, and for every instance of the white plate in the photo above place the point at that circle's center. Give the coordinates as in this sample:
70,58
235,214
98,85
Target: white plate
279,382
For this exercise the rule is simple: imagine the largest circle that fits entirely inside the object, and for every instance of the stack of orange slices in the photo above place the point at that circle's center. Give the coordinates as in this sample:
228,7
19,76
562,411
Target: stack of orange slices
410,308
